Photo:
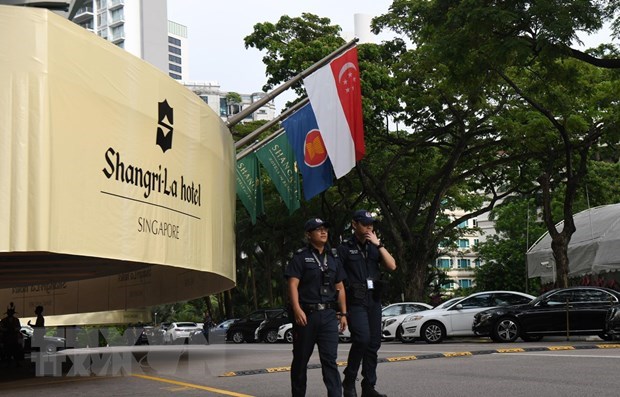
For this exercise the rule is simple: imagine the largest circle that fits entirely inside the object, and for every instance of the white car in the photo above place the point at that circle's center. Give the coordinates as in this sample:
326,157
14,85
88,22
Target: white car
285,333
180,330
390,325
456,317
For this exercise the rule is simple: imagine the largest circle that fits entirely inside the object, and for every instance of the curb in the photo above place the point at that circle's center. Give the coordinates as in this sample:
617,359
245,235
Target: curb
434,355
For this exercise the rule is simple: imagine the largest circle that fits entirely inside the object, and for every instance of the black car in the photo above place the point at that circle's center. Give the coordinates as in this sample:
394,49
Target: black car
243,329
562,311
268,330
612,323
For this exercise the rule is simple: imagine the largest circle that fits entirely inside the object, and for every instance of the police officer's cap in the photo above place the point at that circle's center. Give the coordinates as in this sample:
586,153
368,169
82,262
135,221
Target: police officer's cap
314,223
364,217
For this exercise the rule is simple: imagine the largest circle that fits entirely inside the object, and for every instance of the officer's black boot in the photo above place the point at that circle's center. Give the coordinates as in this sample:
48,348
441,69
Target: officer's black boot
369,391
348,387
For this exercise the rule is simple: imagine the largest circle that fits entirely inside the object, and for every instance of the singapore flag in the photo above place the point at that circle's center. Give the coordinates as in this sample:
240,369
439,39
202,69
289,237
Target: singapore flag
335,94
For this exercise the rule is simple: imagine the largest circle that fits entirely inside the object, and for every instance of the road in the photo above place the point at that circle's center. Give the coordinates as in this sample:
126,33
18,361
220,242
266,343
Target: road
469,367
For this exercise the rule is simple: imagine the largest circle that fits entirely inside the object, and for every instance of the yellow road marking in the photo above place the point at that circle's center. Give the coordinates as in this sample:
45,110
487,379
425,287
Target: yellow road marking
552,348
199,387
513,350
402,358
457,354
279,369
608,346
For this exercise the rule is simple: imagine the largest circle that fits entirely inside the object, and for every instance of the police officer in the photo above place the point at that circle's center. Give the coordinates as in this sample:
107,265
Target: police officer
316,292
361,255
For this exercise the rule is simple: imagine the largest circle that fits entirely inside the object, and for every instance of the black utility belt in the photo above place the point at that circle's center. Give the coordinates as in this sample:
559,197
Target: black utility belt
313,307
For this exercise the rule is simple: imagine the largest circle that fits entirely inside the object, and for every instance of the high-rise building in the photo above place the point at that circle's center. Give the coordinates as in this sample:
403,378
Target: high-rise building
141,28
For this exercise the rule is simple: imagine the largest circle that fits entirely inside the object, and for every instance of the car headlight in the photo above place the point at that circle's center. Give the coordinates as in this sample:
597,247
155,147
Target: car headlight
413,317
389,321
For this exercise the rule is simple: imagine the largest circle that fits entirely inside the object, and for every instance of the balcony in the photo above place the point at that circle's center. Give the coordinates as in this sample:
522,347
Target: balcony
83,14
114,4
116,21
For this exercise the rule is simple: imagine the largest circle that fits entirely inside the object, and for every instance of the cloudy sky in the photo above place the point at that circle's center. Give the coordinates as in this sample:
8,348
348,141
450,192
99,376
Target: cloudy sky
216,30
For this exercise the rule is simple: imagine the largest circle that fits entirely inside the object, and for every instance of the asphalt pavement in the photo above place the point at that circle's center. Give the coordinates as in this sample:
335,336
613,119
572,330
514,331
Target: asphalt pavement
468,367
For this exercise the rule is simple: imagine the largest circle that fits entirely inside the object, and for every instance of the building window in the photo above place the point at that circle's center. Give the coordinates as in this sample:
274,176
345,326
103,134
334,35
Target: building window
174,59
174,76
448,285
102,19
474,222
463,243
463,224
465,283
205,98
175,68
444,263
223,107
174,50
476,242
464,263
477,263
174,41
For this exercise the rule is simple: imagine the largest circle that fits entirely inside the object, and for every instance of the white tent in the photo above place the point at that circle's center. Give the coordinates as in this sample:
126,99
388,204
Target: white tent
594,247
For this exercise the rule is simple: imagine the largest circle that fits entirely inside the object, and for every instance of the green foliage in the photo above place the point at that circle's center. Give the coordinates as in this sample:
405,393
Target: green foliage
487,103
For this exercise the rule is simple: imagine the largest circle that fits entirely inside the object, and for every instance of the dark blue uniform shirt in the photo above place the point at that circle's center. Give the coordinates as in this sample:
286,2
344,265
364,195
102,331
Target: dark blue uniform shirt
305,267
360,263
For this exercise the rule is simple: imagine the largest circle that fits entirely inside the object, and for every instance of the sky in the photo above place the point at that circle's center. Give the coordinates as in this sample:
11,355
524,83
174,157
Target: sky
216,30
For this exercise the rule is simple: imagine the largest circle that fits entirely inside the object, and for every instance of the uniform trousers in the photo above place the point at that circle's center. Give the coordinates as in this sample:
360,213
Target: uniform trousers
365,325
322,330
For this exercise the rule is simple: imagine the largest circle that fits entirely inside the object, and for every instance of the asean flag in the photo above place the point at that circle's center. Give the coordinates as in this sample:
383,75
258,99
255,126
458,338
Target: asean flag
304,136
336,97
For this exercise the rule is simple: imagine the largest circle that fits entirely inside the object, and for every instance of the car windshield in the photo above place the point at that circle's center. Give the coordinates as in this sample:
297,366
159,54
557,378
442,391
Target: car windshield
449,302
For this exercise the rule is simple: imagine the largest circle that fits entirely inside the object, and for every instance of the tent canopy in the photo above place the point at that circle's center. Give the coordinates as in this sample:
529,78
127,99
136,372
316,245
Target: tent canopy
594,247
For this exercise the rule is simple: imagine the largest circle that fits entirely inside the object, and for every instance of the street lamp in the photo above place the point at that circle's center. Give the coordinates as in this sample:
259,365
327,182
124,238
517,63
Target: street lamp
155,318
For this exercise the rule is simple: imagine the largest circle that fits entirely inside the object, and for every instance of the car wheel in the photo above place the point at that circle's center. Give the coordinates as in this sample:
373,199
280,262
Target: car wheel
531,338
344,339
288,336
605,337
506,330
400,337
237,337
50,348
272,336
433,332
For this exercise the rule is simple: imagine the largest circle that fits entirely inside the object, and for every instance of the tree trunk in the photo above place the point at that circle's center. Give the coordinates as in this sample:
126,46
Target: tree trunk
559,246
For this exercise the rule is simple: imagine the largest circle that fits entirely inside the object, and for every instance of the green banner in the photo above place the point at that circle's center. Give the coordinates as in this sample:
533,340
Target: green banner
249,188
279,161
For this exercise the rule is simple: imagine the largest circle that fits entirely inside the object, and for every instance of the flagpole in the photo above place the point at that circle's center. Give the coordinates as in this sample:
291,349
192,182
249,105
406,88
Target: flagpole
243,141
235,119
258,145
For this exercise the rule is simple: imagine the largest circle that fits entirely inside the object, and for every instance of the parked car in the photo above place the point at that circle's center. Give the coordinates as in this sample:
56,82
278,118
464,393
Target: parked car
456,318
396,309
51,344
391,325
267,331
578,310
243,329
180,331
221,328
285,333
612,323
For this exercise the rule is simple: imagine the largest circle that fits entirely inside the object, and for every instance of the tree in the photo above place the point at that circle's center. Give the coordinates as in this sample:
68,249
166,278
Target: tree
525,47
412,177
